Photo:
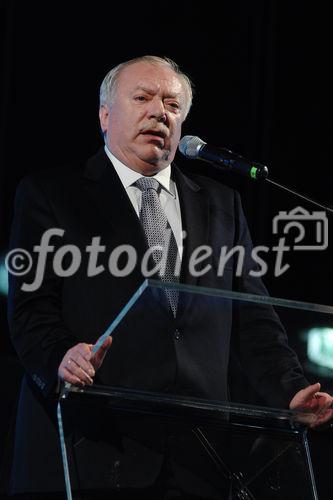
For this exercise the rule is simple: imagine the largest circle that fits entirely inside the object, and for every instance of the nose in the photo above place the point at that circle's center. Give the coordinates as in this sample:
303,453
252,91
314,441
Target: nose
156,110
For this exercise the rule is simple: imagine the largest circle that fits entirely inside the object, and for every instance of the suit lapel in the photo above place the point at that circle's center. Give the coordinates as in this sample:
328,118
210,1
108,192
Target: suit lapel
108,193
195,221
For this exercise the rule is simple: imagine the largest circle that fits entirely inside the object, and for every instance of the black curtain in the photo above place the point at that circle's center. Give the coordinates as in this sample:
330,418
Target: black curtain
260,70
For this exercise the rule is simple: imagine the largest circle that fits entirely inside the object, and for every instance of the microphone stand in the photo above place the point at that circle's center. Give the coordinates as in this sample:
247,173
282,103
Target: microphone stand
306,198
259,173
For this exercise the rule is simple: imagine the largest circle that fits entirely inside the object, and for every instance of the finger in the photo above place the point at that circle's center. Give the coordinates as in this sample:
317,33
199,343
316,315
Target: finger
85,365
67,376
75,369
324,403
84,349
319,394
305,398
311,390
98,357
307,419
106,344
322,419
307,395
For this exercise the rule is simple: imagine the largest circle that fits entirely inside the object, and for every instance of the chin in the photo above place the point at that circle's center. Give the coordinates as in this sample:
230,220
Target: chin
152,168
154,160
160,160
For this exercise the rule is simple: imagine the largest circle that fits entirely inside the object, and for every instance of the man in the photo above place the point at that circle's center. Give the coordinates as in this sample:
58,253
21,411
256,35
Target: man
55,324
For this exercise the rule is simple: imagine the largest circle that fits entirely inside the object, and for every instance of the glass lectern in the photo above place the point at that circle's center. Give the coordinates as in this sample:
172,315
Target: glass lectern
224,450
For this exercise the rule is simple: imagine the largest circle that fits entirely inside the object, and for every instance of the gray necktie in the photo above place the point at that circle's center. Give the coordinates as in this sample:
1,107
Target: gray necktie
159,233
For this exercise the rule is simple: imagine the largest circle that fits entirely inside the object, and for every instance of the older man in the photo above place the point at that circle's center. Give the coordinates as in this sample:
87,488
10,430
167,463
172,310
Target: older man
131,193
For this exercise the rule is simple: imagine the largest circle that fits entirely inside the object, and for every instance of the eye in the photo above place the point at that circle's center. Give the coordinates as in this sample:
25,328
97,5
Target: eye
174,105
140,98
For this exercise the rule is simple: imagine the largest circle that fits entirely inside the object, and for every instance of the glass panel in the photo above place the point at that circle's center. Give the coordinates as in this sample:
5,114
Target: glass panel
165,384
224,450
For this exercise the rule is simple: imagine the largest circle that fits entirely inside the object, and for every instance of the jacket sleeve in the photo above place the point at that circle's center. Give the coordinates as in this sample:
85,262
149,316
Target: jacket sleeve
269,362
37,330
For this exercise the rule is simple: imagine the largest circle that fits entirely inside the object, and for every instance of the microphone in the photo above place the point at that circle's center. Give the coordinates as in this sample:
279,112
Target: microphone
194,148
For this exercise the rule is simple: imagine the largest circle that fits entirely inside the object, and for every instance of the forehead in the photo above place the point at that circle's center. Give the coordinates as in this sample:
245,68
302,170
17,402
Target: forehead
155,77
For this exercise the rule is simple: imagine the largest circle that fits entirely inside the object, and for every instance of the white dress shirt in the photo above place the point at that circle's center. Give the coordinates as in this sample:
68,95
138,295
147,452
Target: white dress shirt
168,194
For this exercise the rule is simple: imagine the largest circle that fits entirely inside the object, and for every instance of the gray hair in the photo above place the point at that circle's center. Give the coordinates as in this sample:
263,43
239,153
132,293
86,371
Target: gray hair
109,84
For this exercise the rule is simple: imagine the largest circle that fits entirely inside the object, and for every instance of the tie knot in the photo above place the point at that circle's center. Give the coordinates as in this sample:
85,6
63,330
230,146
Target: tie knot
145,183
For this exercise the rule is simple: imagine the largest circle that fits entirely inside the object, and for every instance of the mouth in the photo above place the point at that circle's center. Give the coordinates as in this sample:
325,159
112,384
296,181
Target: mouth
155,136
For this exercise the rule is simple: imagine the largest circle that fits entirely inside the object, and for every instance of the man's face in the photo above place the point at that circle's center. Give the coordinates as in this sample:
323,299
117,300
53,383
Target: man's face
143,126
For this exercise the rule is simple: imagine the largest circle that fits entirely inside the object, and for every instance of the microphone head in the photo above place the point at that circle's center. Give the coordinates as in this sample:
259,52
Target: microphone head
190,146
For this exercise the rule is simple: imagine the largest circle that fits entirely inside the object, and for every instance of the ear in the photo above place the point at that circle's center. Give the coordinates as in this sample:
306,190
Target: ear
104,117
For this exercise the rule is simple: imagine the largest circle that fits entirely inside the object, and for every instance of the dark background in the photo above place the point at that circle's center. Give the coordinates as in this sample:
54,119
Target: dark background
260,70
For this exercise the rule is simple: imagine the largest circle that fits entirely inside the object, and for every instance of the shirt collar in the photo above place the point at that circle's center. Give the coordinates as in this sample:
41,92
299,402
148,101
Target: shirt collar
128,176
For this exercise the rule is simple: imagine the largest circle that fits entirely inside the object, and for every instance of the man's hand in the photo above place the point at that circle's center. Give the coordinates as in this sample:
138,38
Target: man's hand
79,364
319,403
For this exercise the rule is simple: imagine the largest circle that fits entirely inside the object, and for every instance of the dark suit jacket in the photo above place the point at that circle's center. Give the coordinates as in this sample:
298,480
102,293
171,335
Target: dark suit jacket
89,201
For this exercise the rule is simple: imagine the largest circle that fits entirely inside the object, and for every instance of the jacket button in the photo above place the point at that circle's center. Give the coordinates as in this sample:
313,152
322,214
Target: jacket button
177,334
